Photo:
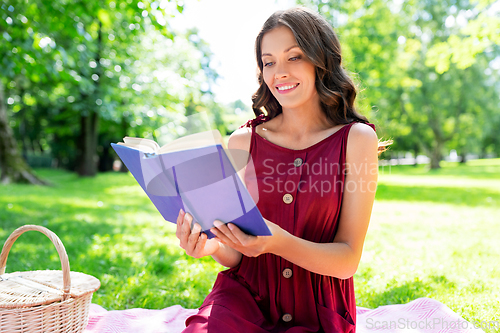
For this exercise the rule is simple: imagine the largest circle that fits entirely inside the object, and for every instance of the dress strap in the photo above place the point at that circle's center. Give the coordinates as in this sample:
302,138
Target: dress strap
262,118
372,126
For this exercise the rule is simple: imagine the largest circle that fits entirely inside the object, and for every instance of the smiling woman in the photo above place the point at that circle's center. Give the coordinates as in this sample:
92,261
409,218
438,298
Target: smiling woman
316,44
300,279
286,69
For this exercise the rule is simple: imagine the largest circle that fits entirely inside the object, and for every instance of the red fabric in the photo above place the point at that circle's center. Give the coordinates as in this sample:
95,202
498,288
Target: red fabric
254,296
256,121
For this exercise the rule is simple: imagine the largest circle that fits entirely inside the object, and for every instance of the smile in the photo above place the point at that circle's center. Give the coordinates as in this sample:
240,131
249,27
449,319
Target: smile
287,88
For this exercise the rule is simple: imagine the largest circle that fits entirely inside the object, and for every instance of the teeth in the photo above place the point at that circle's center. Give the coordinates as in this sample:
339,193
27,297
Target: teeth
286,87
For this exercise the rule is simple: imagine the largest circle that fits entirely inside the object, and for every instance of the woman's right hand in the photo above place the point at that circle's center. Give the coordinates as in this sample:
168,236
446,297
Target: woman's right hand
195,243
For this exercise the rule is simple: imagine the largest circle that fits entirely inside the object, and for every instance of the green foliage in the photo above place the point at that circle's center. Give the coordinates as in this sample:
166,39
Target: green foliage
120,61
427,70
433,234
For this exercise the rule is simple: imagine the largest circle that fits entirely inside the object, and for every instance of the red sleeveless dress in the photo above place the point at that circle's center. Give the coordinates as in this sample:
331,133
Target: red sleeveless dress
301,191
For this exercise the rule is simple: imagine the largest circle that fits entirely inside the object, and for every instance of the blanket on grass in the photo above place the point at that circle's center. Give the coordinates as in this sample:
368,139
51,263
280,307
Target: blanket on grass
421,315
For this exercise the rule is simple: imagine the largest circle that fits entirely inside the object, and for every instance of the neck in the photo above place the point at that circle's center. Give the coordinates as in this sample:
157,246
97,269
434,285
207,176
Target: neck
304,120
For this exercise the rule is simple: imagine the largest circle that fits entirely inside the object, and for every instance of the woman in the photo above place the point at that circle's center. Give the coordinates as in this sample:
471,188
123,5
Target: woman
315,163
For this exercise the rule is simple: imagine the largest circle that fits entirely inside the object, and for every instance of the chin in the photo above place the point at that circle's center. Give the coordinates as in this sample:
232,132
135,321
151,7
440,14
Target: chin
291,105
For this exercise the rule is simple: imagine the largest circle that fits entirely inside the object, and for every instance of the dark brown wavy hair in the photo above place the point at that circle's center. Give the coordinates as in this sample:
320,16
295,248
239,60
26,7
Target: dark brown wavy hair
320,44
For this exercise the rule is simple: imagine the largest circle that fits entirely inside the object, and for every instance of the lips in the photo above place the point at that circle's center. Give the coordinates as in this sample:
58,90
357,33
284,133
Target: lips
286,87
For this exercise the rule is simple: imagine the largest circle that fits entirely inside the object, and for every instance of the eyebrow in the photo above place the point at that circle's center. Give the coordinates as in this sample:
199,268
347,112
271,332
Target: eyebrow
288,49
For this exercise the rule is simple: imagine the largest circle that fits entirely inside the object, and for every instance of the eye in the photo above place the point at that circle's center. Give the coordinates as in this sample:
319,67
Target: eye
295,58
268,64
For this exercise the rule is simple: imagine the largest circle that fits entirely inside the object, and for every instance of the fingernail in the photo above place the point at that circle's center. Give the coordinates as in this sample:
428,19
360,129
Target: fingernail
214,231
182,211
230,226
218,223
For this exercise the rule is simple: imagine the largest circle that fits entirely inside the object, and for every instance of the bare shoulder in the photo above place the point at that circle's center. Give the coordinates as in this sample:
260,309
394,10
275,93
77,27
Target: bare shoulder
362,135
362,144
240,139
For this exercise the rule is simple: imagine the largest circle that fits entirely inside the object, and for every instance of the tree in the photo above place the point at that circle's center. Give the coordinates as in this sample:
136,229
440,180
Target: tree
18,62
13,167
83,74
408,55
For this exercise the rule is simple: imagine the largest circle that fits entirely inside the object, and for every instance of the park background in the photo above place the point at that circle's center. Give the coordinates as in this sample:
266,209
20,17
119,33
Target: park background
76,76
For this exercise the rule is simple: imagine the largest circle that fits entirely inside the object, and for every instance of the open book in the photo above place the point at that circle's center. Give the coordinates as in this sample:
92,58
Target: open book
195,173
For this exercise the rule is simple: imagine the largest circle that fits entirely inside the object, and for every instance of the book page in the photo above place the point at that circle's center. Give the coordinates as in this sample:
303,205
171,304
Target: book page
146,145
197,140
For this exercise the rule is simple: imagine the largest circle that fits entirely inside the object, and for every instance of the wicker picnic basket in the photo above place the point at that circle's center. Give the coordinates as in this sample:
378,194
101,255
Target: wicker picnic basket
44,301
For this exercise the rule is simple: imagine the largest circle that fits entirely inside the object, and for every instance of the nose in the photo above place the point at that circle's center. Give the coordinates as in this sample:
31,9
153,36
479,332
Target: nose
281,71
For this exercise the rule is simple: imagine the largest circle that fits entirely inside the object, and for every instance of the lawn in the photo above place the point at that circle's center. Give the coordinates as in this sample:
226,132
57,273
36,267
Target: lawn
433,234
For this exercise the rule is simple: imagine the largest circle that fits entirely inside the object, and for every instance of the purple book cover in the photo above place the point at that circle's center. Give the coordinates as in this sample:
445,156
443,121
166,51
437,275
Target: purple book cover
201,181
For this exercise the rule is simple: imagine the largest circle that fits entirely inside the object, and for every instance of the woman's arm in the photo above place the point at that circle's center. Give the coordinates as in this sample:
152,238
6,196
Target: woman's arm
227,256
340,258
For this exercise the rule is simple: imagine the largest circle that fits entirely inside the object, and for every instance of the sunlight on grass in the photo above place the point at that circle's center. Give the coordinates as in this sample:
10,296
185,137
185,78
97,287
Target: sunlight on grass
435,234
443,181
432,234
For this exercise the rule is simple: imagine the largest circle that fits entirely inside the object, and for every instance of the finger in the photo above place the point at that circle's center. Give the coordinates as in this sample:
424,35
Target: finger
179,221
193,239
224,239
240,236
223,230
185,228
200,245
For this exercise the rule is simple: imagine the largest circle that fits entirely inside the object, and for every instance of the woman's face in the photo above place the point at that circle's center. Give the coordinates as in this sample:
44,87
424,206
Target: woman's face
287,72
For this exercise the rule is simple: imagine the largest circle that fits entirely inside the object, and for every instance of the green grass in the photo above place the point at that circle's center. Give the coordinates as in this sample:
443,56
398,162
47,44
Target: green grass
110,230
433,234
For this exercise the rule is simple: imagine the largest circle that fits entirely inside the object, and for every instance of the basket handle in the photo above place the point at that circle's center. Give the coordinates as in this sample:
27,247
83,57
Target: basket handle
54,239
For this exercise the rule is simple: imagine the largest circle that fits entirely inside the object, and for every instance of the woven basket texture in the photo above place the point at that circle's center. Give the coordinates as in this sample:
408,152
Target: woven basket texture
44,301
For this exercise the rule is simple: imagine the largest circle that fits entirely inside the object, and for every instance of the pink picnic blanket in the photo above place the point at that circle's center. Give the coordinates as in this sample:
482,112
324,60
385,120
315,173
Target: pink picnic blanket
421,315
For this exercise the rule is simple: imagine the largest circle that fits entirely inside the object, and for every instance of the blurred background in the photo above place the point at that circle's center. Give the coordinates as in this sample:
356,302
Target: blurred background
78,75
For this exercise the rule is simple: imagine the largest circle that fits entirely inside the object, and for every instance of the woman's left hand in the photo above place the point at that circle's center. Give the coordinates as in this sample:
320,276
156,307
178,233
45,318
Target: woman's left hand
248,245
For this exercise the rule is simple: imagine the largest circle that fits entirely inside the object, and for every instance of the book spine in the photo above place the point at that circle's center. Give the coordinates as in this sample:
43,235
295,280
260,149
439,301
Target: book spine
234,176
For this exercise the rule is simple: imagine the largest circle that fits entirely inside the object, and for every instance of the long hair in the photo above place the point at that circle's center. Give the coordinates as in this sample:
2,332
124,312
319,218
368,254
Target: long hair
321,46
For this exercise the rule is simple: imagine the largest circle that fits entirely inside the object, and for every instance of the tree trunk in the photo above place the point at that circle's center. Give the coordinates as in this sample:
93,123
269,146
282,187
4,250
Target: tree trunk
436,154
463,157
13,168
87,142
436,149
22,128
87,153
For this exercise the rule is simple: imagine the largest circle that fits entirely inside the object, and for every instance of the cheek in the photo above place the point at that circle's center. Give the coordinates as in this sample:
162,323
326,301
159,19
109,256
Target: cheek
310,70
268,78
311,76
